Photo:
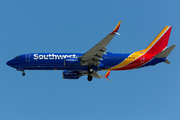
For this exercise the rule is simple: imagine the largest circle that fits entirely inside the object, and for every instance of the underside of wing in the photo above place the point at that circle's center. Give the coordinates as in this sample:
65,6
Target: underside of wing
95,74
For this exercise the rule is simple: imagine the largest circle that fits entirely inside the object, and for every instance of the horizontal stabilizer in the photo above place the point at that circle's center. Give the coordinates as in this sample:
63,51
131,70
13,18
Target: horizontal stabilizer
166,52
167,61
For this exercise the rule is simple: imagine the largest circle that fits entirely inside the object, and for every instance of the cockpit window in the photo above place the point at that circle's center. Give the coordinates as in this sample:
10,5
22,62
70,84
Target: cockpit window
16,57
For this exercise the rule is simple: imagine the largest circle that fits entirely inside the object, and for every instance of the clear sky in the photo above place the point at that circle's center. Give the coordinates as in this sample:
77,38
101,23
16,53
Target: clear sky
28,26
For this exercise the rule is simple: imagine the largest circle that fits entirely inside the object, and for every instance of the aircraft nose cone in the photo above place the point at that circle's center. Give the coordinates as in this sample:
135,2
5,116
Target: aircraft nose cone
9,63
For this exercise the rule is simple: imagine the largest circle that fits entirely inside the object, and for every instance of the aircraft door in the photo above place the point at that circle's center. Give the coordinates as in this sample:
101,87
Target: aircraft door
27,57
142,59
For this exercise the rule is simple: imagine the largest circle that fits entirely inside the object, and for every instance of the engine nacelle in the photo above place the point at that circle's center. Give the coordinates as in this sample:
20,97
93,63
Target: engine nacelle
71,75
72,62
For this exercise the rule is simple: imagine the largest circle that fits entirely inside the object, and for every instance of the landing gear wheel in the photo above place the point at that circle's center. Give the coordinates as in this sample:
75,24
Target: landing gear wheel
89,78
23,74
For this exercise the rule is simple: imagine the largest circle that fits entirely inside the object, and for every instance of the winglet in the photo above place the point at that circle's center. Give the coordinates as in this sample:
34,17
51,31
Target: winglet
115,31
107,75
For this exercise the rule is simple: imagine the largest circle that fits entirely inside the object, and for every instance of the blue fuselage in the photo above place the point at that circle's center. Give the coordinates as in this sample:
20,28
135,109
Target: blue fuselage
68,61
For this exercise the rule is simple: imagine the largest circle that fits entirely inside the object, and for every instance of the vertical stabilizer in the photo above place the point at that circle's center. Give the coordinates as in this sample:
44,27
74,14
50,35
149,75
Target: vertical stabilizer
160,42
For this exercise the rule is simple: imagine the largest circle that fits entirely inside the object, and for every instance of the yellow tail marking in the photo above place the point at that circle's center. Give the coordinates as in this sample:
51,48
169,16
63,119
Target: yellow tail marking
157,38
134,55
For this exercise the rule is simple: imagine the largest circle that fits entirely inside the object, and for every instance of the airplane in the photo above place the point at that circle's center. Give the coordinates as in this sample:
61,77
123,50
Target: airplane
97,59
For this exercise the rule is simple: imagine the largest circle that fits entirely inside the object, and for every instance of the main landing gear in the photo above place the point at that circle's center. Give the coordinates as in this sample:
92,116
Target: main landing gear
90,71
89,78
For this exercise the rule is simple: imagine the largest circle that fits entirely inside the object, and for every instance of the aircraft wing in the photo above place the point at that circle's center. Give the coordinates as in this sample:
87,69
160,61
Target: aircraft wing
93,56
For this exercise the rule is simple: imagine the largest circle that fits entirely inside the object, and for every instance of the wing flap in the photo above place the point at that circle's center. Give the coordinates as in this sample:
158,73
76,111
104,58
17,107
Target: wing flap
94,54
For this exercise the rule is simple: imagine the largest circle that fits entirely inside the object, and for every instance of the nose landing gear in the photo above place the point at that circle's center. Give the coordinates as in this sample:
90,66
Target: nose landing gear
20,69
23,74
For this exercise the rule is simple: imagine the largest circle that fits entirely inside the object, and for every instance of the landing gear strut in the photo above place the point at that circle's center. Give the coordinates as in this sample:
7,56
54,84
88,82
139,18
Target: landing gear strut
23,74
90,71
